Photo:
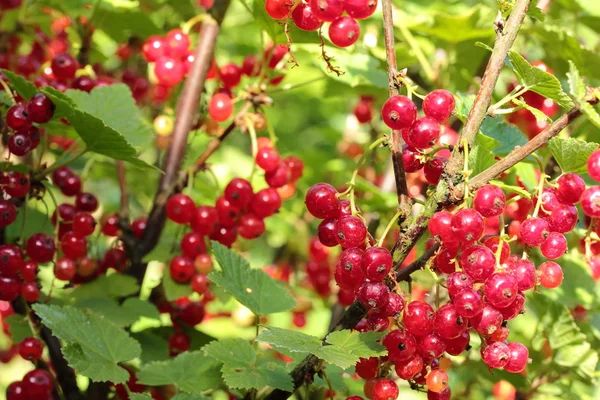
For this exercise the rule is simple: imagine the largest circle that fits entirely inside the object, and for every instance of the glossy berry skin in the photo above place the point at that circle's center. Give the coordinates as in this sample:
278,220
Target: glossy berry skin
360,9
563,218
488,322
433,169
444,261
178,43
250,226
431,346
350,232
441,224
514,309
439,105
239,193
376,263
251,65
385,389
73,245
457,345
534,231
85,201
409,157
228,214
457,282
230,75
28,270
399,112
322,202
193,244
525,274
8,212
84,224
550,275
327,10
448,323
279,177
423,133
593,166
38,384
64,67
15,391
554,246
268,159
344,31
366,368
570,188
500,290
348,273
19,144
65,269
11,258
17,118
437,381
154,48
278,9
590,200
305,18
181,269
204,219
394,306
17,184
40,248
418,318
169,71
496,355
478,262
179,342
265,202
30,291
445,395
180,208
220,107
489,201
400,344
468,303
31,349
200,283
327,232
467,225
373,294
492,243
111,226
9,288
408,369
518,358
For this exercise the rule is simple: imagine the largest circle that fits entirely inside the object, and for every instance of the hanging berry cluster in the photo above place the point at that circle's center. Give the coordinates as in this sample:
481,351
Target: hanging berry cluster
171,56
344,30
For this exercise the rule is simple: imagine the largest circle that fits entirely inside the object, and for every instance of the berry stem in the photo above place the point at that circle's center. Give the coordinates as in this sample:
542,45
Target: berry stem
24,222
388,228
124,191
8,91
466,172
541,184
190,23
40,174
500,239
514,94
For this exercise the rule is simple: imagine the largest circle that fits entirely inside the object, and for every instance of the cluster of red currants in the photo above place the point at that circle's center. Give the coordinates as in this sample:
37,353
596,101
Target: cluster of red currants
171,56
36,384
524,118
420,133
590,203
20,118
344,30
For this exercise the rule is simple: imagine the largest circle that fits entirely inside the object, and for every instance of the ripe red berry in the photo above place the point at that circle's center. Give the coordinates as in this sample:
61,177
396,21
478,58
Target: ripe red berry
268,159
439,105
17,184
496,355
239,192
467,225
457,345
562,218
265,203
550,275
423,133
478,262
410,158
492,243
192,313
445,261
305,18
251,65
441,224
200,283
322,201
9,288
8,212
590,200
28,270
348,272
193,244
468,303
376,263
154,48
84,223
16,391
500,290
534,231
231,74
433,169
570,188
204,219
65,269
278,9
524,272
180,208
295,167
227,212
373,294
73,245
385,389
138,227
518,358
30,292
181,269
327,10
360,9
169,71
278,177
593,166
115,258
399,112
179,342
554,246
19,144
394,306
86,202
408,369
488,321
344,31
437,381
40,248
457,282
350,232
367,368
178,43
448,323
489,201
84,83
250,226
514,309
431,346
38,384
18,118
64,66
220,107
111,226
400,344
418,318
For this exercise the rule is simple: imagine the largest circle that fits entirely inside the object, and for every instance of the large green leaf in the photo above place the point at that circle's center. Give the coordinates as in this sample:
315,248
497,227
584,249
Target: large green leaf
472,24
23,87
19,327
154,347
91,343
193,372
571,154
251,287
243,370
115,105
538,81
115,285
97,135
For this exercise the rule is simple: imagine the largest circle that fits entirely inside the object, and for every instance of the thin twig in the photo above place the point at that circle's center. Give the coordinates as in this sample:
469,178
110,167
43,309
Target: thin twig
123,213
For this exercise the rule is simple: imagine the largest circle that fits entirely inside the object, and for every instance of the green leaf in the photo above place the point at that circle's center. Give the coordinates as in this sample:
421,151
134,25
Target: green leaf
527,175
538,114
241,369
576,85
192,372
472,24
115,285
115,105
344,349
251,287
154,347
184,396
571,154
480,158
98,137
142,308
510,188
139,396
508,136
122,24
92,344
109,308
538,81
591,113
175,290
19,327
22,86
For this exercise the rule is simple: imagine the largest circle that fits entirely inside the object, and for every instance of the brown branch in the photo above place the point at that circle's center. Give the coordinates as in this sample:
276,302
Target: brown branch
123,213
404,201
505,39
405,273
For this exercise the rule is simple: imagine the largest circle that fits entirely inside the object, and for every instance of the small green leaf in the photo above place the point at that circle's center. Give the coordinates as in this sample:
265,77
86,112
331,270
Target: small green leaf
19,327
508,136
233,352
453,28
514,189
175,290
527,175
192,372
591,113
361,344
92,344
154,347
480,158
115,285
22,86
109,308
571,154
538,81
251,287
538,114
291,340
576,85
141,308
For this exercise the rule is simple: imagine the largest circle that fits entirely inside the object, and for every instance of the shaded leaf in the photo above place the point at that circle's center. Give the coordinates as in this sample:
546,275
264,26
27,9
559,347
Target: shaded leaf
571,154
22,86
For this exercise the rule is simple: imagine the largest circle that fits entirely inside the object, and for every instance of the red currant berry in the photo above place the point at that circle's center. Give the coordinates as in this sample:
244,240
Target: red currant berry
251,65
496,355
385,389
220,107
322,201
534,231
554,246
401,345
178,43
492,243
593,166
179,342
181,269
192,313
437,381
468,303
115,259
367,368
86,202
30,292
360,9
8,212
478,262
376,263
445,261
590,200
19,144
18,118
65,269
278,9
500,290
394,306
231,74
399,112
154,48
570,188
344,31
305,18
518,358
524,272
224,235
408,369
439,105
410,158
250,226
204,219
418,318
64,67
441,224
193,244
431,346
169,71
138,227
327,232
550,275
40,248
373,294
350,232
84,224
38,384
489,201
111,226
228,214
448,323
433,169
28,270
35,136
514,309
423,133
457,282
563,218
488,322
16,391
456,346
265,203
467,225
327,10
84,83
278,177
9,288
73,245
18,184
348,272
268,159
239,193
180,208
